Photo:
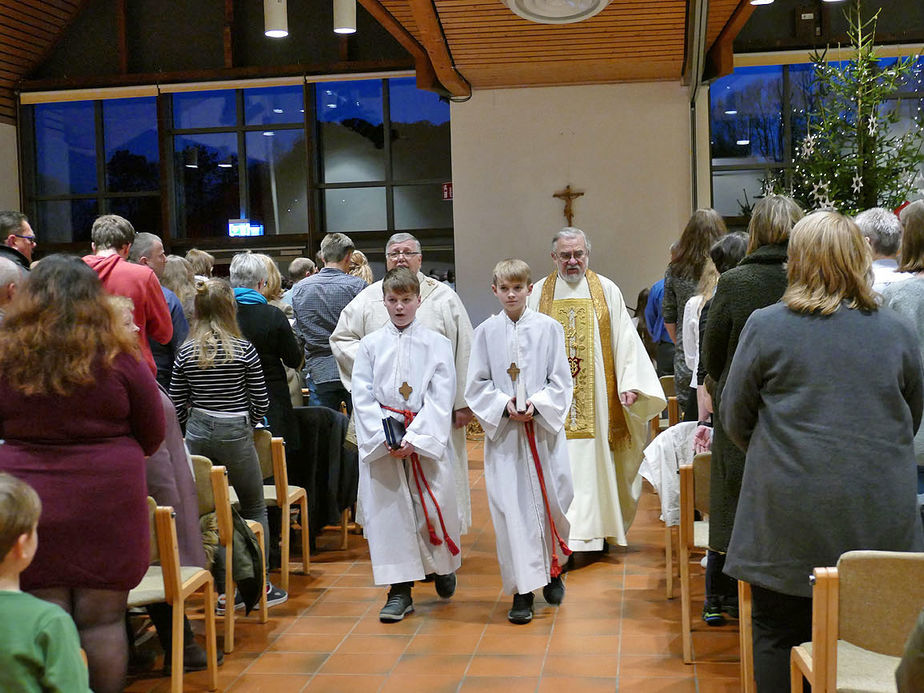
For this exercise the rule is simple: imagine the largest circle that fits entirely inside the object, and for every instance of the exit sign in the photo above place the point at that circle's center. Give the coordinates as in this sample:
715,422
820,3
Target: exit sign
447,191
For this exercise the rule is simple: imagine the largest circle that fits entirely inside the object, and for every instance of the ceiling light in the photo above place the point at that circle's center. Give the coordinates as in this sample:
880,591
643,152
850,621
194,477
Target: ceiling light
191,158
344,16
739,142
731,112
275,18
761,2
278,110
269,133
225,163
556,11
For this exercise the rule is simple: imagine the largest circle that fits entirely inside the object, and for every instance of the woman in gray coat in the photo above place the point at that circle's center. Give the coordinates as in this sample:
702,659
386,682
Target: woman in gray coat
824,394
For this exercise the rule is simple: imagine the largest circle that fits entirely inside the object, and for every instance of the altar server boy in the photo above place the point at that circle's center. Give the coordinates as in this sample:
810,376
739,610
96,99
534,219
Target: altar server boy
404,372
519,386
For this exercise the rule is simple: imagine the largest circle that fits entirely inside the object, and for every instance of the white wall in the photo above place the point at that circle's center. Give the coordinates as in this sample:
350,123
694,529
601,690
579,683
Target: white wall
627,146
9,168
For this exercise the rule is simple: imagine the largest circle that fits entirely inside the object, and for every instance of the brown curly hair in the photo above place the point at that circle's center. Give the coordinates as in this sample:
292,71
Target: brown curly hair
58,326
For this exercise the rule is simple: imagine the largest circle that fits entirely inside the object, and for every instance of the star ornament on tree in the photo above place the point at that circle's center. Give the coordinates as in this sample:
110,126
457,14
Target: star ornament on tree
873,126
857,184
808,145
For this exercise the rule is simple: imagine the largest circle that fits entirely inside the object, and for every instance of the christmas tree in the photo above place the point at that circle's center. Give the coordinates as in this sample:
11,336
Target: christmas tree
854,156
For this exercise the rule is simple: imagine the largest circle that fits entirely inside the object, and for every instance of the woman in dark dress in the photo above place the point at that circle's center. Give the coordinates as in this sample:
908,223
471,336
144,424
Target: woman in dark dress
79,411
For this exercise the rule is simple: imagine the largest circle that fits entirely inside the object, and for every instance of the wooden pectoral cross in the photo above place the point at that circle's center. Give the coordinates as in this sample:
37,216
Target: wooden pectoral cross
405,390
513,371
568,196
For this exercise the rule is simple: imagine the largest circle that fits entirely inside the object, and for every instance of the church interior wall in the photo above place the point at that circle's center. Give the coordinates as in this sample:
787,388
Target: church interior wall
9,168
626,146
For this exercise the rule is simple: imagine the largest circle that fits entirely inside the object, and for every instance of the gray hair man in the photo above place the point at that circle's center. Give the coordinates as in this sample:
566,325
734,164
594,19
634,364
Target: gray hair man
248,272
318,301
18,238
147,250
616,391
883,231
112,237
440,310
11,274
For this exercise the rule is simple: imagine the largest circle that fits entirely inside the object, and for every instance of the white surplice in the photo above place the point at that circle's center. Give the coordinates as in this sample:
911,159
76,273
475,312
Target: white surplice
536,344
607,486
394,519
442,311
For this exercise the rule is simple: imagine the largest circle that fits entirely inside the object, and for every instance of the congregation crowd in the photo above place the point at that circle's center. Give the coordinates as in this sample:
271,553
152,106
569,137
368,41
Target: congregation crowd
797,348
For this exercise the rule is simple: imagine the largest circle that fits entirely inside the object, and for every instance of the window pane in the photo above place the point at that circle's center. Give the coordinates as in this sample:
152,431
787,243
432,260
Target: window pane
421,207
130,135
205,167
734,192
420,145
204,109
355,209
64,221
352,134
65,147
746,116
278,180
142,212
274,105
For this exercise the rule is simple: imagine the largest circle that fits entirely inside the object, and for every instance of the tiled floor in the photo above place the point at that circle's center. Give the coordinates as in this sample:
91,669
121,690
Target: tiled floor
615,630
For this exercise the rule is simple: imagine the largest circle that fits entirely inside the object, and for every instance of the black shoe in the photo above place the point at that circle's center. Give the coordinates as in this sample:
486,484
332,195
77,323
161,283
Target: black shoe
554,592
446,585
712,612
730,607
398,604
522,610
195,658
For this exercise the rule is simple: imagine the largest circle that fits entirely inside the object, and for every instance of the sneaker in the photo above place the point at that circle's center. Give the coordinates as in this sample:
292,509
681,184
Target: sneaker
398,604
222,603
554,592
445,585
712,612
522,610
275,595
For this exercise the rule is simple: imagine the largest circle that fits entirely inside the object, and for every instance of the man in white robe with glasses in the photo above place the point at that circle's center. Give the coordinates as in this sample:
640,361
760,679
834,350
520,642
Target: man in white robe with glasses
440,310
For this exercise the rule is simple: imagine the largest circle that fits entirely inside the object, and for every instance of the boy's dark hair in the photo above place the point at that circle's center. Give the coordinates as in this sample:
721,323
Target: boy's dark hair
511,270
400,280
20,508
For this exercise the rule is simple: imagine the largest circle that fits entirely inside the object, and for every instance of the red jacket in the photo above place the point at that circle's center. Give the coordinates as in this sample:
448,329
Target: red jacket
152,316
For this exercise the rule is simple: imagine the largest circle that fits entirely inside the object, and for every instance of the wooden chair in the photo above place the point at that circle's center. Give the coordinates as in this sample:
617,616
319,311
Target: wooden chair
745,638
694,495
862,613
673,418
172,583
214,496
272,454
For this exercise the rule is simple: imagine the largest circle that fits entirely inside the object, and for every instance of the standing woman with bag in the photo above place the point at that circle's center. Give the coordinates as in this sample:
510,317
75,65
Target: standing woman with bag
220,394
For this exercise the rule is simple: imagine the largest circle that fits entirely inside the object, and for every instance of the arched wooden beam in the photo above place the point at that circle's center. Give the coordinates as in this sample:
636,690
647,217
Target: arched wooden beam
431,34
720,60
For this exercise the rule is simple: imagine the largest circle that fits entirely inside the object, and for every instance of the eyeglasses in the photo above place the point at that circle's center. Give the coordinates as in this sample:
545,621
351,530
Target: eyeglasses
395,254
31,239
577,255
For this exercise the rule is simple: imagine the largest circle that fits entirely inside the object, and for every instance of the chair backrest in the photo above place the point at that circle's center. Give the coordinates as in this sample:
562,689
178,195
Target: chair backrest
202,470
280,468
154,554
169,549
218,483
667,384
880,594
702,471
262,441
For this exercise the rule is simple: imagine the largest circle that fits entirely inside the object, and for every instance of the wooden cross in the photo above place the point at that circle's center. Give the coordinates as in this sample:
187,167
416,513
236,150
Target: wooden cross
405,390
513,371
568,196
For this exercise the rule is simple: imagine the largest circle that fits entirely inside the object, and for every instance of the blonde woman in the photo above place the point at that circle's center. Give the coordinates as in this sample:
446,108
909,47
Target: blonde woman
180,278
359,267
220,394
824,395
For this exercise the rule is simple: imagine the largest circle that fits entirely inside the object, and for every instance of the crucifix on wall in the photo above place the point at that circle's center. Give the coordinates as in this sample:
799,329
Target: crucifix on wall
568,195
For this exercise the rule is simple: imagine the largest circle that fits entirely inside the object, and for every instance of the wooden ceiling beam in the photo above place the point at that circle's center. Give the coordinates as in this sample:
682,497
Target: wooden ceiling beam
720,59
431,36
426,75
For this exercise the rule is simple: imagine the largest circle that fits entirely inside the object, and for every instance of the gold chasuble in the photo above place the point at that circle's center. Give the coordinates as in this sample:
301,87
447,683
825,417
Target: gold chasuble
576,316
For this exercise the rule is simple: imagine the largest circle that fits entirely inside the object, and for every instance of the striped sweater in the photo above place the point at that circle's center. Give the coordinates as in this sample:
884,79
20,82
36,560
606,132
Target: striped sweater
231,386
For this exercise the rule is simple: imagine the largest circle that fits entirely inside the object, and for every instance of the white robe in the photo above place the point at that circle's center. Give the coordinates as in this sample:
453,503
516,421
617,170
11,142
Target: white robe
442,311
395,525
607,486
536,343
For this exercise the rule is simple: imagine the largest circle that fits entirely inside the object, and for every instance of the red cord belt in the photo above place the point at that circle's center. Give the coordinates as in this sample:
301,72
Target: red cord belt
531,437
417,469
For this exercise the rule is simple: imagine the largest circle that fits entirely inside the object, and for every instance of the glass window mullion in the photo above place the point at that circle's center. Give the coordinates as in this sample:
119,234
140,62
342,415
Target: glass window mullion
389,175
243,189
100,157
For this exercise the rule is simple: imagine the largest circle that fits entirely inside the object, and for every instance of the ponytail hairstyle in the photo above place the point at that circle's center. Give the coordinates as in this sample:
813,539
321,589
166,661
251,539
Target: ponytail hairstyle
215,329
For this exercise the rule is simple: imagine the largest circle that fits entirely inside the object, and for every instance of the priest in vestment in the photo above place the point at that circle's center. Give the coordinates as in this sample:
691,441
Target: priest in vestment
442,311
616,392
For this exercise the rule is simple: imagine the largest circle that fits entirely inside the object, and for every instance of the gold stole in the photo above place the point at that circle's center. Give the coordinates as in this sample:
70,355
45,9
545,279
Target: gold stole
564,312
